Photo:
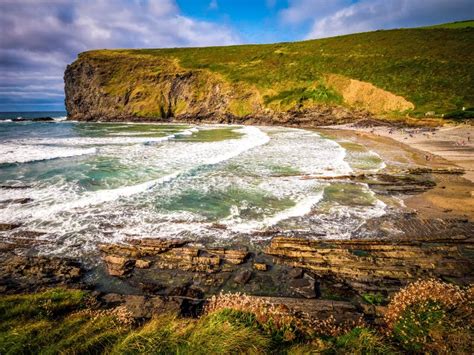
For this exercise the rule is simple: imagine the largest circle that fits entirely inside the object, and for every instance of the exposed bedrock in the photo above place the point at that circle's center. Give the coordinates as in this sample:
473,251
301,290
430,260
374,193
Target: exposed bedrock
318,278
378,266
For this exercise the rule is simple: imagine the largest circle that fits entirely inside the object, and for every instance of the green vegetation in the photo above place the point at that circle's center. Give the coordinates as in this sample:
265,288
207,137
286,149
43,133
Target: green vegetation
68,321
455,25
430,67
51,322
374,298
362,340
460,114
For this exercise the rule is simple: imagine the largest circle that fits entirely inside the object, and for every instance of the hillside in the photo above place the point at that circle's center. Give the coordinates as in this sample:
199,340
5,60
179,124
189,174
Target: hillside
388,73
457,24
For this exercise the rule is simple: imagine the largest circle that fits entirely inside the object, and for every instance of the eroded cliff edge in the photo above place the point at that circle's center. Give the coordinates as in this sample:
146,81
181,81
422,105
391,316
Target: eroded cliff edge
335,80
112,86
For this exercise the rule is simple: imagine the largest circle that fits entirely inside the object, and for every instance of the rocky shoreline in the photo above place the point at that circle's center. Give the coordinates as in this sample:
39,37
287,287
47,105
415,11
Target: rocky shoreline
320,278
313,276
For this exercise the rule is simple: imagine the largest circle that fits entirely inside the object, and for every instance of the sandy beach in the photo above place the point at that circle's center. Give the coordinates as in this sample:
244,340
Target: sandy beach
439,148
453,143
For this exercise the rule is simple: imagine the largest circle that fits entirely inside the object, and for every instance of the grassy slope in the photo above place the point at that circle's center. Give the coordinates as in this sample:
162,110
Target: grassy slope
431,68
457,24
60,321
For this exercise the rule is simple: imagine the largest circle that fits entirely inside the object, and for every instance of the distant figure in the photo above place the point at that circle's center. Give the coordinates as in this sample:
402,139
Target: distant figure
427,157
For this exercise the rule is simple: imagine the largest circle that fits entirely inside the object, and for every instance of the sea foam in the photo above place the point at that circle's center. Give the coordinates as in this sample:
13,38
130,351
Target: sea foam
20,153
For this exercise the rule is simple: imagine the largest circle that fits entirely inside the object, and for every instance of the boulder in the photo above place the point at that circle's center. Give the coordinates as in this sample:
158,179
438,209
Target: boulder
305,286
260,266
118,266
243,277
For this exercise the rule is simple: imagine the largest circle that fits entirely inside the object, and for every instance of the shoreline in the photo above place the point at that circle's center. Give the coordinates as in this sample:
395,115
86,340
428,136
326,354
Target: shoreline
322,278
453,194
449,142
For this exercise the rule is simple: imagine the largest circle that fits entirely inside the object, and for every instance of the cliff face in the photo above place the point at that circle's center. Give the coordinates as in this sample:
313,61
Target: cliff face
102,86
302,83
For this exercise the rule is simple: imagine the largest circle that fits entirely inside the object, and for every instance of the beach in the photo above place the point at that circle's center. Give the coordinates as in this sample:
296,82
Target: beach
446,148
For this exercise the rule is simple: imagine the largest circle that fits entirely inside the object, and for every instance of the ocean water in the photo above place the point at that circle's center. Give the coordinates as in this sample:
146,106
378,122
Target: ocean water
88,183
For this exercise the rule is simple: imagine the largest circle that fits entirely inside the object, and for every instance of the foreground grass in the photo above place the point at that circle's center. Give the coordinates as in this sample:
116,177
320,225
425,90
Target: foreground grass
427,316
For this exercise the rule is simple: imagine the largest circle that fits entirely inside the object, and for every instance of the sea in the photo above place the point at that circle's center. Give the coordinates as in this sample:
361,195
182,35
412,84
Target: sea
84,183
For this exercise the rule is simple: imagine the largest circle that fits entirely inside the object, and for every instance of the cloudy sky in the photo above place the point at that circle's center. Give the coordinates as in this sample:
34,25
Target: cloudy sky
38,38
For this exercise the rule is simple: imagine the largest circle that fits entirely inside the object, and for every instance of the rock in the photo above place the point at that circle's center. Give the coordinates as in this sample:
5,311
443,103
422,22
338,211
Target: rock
138,306
187,290
170,255
372,265
142,264
27,274
8,226
305,286
232,256
295,273
150,246
118,266
243,277
317,308
42,119
85,99
112,299
19,201
15,187
260,266
36,119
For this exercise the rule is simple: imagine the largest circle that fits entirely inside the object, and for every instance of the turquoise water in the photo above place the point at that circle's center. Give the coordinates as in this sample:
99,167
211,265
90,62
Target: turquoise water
95,182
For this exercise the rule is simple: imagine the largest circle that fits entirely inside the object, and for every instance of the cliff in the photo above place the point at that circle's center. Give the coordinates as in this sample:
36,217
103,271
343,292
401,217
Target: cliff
388,73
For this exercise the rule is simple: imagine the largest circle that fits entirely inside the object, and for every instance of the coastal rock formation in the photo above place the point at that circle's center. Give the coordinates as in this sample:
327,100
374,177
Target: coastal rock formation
98,88
377,266
23,274
168,255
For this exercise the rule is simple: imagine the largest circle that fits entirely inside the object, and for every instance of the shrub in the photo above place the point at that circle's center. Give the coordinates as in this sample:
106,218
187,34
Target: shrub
432,316
282,324
422,291
460,114
276,320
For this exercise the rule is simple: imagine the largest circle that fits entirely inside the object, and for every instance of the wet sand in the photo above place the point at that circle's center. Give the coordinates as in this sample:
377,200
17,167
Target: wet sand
453,196
451,143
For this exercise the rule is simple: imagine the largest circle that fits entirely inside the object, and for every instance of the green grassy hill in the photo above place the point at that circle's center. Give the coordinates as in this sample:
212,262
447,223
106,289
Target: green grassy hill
426,69
457,24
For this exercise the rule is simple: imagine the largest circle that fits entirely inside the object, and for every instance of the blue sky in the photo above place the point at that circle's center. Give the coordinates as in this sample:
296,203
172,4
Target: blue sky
40,37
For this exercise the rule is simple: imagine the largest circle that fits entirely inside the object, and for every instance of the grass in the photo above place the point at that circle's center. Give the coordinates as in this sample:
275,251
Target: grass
430,67
63,321
376,299
455,25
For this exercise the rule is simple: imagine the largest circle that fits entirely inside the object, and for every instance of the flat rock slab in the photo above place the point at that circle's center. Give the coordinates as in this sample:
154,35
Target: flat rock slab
368,266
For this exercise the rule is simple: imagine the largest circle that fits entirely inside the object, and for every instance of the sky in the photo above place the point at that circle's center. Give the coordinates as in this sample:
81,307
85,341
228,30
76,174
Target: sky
38,38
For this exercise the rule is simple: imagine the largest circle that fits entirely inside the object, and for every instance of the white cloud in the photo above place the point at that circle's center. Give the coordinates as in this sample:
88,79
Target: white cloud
39,41
368,15
304,10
